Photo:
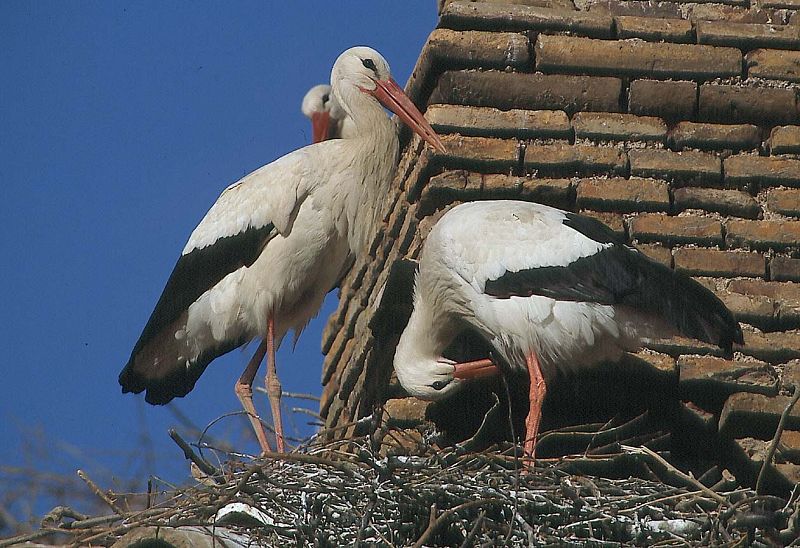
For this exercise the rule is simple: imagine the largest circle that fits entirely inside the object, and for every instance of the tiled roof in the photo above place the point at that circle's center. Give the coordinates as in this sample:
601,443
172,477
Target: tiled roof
676,123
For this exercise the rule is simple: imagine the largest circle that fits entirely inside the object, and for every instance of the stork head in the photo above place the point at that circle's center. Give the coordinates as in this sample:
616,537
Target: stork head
317,107
362,69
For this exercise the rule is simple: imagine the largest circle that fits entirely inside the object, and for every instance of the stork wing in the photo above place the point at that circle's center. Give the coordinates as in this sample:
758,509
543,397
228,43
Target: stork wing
233,233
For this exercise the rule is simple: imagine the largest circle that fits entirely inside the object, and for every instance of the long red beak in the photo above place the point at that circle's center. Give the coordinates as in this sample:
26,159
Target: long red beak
475,370
394,98
320,125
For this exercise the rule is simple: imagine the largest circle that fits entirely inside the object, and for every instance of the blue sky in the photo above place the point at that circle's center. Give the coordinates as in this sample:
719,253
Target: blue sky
120,123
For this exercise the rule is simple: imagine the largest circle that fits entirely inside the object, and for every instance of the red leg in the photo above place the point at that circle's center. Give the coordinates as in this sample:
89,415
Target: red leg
537,391
244,391
475,370
274,390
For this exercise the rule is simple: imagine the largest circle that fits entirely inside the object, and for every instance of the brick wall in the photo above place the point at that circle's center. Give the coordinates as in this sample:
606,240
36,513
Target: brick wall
677,124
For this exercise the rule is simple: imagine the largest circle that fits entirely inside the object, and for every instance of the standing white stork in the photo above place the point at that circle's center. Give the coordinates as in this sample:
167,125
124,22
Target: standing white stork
328,119
549,290
268,251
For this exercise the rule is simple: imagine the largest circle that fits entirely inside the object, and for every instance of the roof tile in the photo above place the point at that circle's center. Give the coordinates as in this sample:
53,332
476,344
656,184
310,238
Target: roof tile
634,58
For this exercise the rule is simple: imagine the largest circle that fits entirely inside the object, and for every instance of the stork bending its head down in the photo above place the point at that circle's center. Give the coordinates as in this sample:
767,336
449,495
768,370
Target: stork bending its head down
548,290
328,120
268,251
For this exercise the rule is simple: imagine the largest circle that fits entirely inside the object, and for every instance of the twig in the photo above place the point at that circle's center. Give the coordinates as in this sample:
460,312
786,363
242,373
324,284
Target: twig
189,454
444,516
776,438
96,490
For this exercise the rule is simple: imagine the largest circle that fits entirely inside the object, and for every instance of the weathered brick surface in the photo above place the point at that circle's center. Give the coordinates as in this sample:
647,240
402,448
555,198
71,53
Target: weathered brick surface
747,456
732,14
654,29
711,374
747,35
623,195
634,58
784,140
528,91
653,227
758,311
772,170
715,136
488,16
679,346
574,159
774,347
774,64
784,269
713,262
762,234
614,221
755,415
727,202
487,121
553,192
669,100
732,104
406,410
789,4
775,290
785,201
657,252
481,153
610,126
686,166
479,49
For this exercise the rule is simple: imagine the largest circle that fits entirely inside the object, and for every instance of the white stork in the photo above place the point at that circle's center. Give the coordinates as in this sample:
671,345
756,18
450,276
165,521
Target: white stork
274,243
328,119
549,290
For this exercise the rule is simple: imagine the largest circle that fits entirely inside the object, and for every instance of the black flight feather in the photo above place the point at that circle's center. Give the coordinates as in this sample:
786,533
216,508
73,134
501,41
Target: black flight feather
620,275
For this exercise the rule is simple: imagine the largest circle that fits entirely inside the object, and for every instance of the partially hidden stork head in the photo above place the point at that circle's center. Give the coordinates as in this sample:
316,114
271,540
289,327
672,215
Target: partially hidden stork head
317,107
362,69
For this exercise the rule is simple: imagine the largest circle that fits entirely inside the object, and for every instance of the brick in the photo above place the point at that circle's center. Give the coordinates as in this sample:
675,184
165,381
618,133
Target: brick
657,252
623,195
789,446
775,290
711,374
734,104
618,127
732,14
478,153
772,170
654,29
487,16
755,310
776,235
634,58
715,136
552,192
487,121
636,8
687,166
578,159
726,202
787,4
653,227
713,262
669,100
785,201
756,415
614,221
528,91
678,346
406,410
776,347
791,374
660,363
747,36
784,140
479,49
747,457
698,419
784,269
773,64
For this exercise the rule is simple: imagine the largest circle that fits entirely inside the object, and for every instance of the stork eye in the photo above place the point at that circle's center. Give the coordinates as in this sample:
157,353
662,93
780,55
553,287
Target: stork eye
370,64
438,385
325,98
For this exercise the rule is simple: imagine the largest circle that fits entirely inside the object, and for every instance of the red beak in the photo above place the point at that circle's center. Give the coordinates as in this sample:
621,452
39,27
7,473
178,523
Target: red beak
394,98
475,370
320,124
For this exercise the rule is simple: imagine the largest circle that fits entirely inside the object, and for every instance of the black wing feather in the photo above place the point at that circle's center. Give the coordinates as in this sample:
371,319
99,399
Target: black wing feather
620,275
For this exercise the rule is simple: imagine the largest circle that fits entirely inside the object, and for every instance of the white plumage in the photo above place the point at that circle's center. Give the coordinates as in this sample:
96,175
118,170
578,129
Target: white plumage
328,118
549,290
268,251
